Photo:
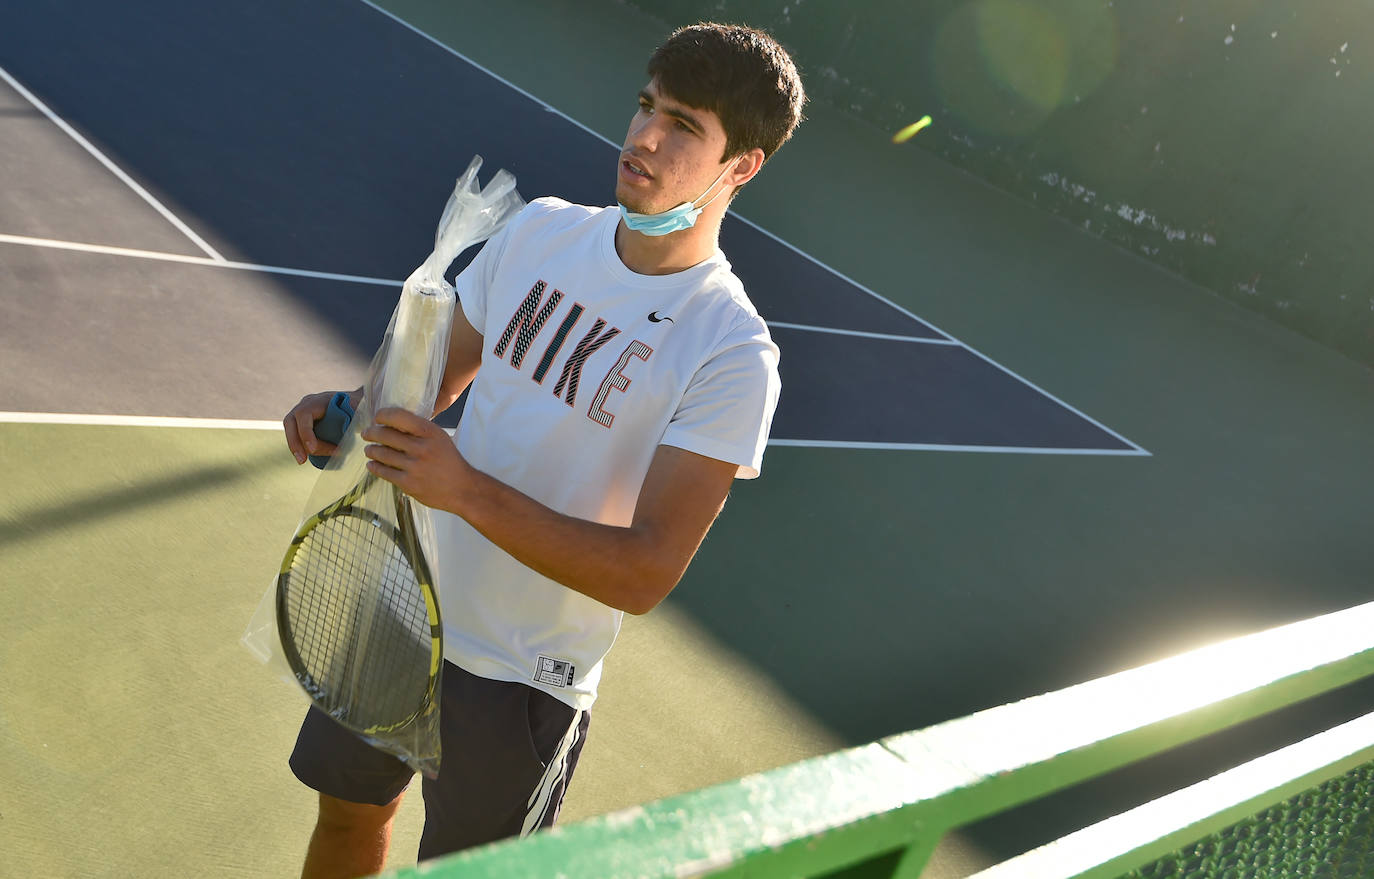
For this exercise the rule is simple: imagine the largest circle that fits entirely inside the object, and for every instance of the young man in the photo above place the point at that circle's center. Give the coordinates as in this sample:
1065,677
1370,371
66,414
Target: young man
620,380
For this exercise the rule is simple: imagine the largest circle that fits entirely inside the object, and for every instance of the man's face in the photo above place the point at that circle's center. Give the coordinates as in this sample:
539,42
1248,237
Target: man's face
671,153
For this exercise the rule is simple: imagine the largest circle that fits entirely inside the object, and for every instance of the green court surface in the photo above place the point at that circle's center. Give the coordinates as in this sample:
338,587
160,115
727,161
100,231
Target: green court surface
136,557
846,595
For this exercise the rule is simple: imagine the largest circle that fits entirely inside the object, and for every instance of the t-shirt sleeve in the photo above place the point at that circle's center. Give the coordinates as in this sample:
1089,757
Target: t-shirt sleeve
473,283
728,407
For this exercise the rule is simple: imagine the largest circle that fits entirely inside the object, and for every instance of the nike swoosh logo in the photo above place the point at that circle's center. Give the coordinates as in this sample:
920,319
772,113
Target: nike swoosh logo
653,316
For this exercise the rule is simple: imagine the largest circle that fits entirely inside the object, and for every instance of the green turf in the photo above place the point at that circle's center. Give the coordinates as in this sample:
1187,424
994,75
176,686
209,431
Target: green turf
133,559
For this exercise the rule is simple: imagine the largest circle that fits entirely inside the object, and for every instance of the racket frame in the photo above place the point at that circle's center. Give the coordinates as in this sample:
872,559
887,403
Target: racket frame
402,535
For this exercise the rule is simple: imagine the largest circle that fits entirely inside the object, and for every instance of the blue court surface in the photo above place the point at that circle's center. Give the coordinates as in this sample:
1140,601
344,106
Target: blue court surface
309,157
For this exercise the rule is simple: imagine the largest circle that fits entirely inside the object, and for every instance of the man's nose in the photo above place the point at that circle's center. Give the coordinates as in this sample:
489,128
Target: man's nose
645,134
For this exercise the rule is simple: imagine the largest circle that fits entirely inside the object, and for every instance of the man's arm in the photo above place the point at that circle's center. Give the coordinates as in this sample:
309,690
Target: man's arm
630,568
464,358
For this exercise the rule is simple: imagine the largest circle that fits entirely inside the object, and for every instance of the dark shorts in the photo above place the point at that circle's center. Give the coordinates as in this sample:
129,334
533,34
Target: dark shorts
508,752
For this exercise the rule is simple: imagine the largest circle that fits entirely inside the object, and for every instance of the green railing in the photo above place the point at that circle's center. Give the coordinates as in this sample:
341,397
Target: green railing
880,809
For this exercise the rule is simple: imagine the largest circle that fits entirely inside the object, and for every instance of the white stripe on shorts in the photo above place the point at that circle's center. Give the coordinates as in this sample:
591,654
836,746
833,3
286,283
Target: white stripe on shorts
555,774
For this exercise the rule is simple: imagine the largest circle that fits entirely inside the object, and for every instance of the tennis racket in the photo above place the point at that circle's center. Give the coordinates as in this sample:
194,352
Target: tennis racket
357,613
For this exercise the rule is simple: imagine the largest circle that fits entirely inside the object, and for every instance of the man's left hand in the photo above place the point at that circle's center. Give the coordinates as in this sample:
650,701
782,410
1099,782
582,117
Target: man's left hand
416,455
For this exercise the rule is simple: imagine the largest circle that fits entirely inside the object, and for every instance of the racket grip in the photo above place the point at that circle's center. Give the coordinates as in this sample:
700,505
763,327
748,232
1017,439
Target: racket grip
332,427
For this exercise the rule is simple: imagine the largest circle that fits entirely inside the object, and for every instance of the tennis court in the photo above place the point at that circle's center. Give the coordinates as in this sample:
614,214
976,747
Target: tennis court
1009,457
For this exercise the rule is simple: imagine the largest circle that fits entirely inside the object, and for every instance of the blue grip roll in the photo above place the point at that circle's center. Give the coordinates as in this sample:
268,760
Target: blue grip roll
332,427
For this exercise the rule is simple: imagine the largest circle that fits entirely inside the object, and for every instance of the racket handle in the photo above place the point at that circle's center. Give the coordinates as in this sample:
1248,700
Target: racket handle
332,427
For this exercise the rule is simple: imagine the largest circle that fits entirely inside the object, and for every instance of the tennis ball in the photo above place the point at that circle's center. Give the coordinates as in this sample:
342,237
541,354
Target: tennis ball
909,132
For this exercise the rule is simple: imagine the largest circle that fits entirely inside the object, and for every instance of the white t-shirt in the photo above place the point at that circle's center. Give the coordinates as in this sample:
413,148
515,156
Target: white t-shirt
587,367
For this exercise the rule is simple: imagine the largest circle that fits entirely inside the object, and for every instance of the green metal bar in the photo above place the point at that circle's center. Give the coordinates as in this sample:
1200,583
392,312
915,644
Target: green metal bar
842,809
915,858
810,818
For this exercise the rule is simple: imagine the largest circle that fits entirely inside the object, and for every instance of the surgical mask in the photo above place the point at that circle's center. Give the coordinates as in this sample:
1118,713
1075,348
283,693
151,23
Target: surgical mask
684,216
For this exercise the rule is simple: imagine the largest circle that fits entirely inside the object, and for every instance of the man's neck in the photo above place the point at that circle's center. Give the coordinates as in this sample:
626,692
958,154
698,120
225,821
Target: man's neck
666,254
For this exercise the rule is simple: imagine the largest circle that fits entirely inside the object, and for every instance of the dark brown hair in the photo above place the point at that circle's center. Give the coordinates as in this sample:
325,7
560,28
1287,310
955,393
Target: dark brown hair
739,73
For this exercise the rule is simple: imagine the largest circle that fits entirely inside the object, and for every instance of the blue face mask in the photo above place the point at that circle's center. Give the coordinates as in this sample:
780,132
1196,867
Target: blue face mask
684,216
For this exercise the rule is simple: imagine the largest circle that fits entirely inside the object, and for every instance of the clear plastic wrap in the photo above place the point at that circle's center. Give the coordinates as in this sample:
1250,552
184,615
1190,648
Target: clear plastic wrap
406,372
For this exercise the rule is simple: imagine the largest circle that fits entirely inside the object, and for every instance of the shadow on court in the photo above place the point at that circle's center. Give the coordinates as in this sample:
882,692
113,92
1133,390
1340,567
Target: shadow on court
87,509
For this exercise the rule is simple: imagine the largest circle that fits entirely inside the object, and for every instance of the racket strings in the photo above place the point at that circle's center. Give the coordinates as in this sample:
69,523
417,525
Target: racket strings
360,623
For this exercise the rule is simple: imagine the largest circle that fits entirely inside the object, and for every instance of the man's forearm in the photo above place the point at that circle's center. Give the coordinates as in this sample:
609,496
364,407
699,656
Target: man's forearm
630,568
622,567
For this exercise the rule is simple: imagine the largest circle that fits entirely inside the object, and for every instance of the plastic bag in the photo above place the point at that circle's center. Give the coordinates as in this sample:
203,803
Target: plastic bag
406,372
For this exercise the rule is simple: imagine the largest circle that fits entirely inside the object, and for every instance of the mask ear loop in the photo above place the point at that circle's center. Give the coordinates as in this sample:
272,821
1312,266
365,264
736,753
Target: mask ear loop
695,206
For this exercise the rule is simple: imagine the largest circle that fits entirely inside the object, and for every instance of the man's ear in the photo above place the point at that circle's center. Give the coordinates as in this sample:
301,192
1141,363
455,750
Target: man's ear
746,166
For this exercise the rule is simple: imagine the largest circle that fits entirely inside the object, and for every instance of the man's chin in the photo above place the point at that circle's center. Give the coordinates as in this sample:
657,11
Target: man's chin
627,199
632,200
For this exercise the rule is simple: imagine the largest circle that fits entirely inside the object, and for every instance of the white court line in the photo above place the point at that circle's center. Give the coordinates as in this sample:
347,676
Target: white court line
140,421
111,166
793,248
1133,452
358,279
134,421
19,417
191,260
554,110
1093,421
862,334
247,424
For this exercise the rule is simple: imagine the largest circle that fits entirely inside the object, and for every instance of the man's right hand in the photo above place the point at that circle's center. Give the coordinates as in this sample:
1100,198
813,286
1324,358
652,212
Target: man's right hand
299,425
